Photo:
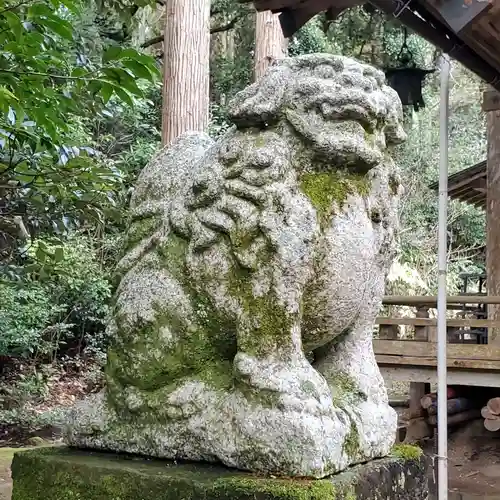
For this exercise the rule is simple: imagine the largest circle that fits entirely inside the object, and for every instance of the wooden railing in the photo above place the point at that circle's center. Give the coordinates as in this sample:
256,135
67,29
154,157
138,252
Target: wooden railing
415,360
421,351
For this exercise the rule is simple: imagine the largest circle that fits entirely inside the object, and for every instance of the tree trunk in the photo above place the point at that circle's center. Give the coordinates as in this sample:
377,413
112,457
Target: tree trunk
270,44
186,84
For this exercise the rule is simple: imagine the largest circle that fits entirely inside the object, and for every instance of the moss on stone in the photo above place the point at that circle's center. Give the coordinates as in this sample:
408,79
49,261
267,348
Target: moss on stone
350,493
278,488
74,475
344,389
65,474
407,452
351,442
139,229
325,189
265,324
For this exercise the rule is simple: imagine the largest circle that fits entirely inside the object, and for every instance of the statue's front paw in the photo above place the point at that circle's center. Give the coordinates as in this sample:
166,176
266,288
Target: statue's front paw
291,383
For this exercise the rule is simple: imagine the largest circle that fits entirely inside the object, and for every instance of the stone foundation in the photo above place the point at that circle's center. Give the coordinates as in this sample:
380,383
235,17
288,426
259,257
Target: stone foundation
68,474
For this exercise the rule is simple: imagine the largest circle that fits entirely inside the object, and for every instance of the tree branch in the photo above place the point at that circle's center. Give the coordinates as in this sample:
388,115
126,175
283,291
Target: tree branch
16,6
47,75
152,41
226,27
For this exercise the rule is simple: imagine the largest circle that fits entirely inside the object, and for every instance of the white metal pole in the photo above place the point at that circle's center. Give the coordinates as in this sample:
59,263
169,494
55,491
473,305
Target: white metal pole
441,304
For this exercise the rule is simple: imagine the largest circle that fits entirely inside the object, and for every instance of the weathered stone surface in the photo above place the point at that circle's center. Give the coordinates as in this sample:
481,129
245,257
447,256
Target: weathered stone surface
64,474
253,271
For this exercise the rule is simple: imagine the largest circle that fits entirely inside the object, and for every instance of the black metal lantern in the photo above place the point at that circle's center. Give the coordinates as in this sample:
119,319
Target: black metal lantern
407,79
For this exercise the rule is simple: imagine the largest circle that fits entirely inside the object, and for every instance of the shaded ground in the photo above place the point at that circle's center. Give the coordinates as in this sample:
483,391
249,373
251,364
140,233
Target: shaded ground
6,455
473,455
474,462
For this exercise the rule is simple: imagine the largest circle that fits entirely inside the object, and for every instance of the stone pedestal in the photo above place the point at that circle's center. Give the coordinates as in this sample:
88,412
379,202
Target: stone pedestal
68,474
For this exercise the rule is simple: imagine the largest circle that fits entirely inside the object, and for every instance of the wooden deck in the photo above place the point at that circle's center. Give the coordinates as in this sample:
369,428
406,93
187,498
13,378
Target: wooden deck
414,359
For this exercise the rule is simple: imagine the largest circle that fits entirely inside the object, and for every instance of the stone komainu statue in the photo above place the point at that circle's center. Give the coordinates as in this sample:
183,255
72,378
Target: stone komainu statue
254,268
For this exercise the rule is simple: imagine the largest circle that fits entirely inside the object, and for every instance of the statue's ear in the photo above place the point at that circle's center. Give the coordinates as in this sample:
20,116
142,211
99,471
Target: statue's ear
260,103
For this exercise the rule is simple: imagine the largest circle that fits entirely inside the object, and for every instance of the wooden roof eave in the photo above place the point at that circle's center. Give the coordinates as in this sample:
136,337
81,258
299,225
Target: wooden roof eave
417,15
468,185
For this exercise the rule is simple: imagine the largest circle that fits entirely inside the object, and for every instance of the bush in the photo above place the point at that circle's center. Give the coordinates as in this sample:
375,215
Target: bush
61,302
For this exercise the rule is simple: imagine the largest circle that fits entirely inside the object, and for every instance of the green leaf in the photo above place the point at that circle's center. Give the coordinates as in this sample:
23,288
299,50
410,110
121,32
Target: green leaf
106,92
41,255
39,10
138,69
124,96
79,72
112,54
95,86
59,254
120,77
58,26
138,56
14,24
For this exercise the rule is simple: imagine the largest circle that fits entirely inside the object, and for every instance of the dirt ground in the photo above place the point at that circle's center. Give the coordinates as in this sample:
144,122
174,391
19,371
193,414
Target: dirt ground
6,455
474,462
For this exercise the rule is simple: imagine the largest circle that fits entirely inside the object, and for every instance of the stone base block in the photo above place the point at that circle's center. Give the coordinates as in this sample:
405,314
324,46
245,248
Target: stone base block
68,474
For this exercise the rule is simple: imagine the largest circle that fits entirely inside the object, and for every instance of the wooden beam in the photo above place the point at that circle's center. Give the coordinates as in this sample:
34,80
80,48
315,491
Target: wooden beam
458,15
456,376
431,300
412,348
491,100
456,323
466,364
493,211
418,427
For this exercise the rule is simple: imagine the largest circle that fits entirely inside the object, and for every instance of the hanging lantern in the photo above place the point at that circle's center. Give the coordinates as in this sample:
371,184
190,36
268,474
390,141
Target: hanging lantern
407,79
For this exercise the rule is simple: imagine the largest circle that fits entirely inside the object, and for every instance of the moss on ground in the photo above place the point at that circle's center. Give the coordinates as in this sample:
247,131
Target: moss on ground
407,452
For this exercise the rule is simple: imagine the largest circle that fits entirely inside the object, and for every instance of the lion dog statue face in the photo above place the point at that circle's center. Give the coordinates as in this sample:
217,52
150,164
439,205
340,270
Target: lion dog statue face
253,271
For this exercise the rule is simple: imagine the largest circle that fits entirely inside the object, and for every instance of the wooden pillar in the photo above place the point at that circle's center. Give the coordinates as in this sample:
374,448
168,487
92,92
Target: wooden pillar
491,104
418,428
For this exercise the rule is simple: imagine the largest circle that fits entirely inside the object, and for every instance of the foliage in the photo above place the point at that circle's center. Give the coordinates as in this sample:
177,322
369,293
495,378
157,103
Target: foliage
61,302
49,85
419,159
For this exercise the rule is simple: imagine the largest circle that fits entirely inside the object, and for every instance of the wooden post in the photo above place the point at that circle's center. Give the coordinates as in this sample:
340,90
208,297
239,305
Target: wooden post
388,332
418,427
491,104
